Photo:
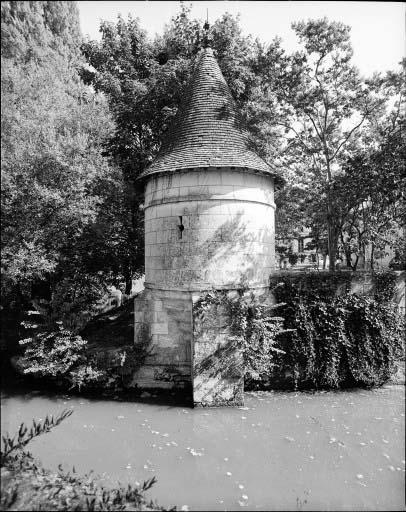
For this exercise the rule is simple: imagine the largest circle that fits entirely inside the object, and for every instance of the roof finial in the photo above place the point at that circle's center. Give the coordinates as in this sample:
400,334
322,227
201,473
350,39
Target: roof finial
206,28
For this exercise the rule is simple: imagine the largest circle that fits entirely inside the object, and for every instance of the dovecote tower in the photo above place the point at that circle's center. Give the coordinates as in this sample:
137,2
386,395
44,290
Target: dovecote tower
209,224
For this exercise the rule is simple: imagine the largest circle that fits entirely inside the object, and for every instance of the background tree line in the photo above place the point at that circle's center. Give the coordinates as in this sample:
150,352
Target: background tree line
82,119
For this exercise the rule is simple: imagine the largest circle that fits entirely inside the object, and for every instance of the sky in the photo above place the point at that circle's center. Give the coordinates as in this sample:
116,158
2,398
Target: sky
378,32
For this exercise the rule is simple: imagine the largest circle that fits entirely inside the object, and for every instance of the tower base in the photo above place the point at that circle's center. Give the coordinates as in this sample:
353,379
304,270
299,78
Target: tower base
190,346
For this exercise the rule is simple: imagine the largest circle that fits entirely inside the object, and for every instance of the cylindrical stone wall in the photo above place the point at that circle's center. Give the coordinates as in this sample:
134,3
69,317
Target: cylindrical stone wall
209,228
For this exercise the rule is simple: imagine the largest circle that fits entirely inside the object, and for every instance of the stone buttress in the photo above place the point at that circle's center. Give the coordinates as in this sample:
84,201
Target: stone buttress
209,225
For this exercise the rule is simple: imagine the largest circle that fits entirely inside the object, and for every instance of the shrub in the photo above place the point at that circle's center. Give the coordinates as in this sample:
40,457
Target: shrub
252,326
65,358
337,341
27,486
61,356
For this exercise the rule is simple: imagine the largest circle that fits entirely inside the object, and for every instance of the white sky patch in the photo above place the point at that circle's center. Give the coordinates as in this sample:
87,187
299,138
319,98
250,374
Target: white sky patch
377,28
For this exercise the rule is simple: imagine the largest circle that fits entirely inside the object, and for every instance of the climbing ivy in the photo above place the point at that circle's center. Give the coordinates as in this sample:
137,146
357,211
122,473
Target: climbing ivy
322,336
253,326
338,340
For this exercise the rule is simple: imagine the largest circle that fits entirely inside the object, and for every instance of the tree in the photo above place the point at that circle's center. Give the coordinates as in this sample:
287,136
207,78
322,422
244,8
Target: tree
322,104
55,180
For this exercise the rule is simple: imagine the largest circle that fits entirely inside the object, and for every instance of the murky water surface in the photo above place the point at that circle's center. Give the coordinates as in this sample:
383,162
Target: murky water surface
282,451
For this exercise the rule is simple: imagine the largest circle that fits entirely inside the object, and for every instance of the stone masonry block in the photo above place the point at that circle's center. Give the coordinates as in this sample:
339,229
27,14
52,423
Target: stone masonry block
138,316
157,305
159,328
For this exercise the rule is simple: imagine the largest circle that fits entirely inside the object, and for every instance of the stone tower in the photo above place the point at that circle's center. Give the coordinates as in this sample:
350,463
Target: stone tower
209,224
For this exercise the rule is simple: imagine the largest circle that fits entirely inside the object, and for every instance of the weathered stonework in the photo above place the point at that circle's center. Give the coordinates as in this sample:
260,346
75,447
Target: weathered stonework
207,229
209,224
163,318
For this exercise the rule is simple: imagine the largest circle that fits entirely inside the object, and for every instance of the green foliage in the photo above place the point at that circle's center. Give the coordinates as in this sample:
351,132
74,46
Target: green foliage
331,115
24,436
258,330
30,486
253,327
60,355
61,198
339,340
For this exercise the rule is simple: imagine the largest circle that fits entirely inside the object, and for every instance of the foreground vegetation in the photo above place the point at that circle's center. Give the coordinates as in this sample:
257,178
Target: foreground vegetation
25,485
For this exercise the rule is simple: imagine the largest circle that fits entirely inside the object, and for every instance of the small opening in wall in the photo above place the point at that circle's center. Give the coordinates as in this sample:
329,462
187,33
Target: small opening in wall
180,226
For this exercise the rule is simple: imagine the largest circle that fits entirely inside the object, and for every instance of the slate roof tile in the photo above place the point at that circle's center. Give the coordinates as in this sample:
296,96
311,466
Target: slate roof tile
206,130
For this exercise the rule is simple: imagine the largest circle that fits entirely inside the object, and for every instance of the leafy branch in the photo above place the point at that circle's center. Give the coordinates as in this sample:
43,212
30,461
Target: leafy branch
24,436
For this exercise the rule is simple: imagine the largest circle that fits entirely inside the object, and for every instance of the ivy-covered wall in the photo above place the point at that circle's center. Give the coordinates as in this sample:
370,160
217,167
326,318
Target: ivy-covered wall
344,329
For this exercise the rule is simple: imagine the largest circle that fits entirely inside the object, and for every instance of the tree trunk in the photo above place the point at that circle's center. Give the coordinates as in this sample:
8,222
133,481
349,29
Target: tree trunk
348,260
332,244
331,238
128,285
372,256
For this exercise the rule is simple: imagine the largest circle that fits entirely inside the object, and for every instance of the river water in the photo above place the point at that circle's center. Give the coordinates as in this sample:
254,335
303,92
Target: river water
282,451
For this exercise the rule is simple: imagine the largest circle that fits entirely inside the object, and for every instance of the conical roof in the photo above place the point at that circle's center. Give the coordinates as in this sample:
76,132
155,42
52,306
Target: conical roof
206,131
